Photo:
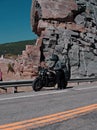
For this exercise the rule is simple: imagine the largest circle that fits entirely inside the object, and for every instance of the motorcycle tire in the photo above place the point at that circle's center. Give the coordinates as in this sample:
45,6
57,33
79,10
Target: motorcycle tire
37,84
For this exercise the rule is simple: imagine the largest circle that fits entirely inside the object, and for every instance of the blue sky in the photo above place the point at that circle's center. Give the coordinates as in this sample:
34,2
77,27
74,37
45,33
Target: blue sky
15,21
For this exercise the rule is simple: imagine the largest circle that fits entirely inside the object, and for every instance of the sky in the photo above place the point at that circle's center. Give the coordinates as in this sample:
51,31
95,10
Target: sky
15,24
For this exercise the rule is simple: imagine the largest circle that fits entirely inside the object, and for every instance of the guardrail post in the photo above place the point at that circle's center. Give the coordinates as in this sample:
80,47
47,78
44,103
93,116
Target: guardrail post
15,89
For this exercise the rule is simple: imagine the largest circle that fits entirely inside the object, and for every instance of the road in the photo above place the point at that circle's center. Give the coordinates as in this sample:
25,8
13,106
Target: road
79,102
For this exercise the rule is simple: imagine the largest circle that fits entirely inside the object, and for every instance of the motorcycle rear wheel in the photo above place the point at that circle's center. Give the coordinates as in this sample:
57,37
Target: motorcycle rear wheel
37,84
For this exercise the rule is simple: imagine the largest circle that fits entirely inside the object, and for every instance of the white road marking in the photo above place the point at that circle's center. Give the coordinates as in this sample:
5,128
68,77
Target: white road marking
34,95
43,94
85,88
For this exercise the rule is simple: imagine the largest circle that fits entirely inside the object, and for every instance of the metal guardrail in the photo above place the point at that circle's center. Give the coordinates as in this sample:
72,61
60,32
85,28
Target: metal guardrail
78,80
20,83
15,83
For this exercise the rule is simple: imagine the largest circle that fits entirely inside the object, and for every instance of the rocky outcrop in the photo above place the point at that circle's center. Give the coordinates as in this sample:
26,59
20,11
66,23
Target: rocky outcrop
69,29
54,11
26,65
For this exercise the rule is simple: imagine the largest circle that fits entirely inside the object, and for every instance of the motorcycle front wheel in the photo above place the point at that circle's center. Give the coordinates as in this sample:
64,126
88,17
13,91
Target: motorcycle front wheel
37,84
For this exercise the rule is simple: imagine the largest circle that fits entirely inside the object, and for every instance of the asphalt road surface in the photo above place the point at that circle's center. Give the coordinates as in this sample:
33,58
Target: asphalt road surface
70,109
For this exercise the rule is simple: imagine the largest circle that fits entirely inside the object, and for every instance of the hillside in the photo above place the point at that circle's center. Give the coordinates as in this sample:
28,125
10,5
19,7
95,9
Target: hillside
15,48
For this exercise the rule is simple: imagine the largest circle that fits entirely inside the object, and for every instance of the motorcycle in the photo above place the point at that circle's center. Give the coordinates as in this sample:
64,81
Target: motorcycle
46,78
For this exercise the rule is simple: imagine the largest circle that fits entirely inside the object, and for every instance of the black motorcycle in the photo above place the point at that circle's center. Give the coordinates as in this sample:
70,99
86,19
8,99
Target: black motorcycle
46,78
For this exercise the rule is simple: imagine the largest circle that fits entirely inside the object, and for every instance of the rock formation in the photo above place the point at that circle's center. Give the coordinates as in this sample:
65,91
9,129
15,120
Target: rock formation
69,29
26,64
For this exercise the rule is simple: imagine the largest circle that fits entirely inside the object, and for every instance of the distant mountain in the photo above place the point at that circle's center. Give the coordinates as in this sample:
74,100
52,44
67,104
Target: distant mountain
15,48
